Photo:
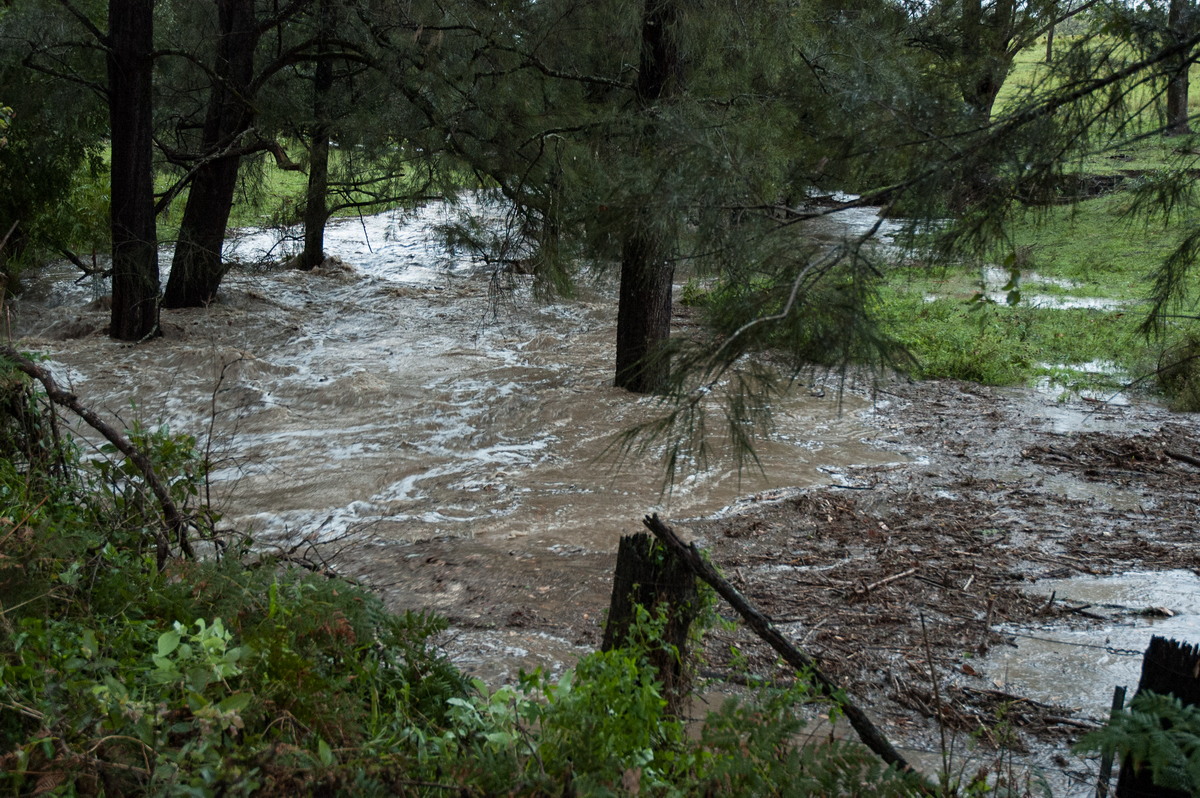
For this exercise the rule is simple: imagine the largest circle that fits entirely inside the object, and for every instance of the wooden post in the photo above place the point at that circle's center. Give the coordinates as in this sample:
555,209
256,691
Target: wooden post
1106,761
872,737
1168,667
650,575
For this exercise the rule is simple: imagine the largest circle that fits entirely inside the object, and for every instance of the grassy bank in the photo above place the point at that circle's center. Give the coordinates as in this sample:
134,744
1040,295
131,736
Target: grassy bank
1080,273
1067,307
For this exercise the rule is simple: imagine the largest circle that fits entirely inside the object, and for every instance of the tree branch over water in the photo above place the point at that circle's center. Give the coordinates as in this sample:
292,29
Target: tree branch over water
173,520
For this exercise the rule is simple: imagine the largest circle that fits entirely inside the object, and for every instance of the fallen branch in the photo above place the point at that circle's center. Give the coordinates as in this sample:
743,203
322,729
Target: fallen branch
861,591
1183,458
762,626
172,518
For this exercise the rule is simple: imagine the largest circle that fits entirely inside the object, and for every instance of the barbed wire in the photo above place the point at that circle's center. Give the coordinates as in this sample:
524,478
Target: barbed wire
1120,652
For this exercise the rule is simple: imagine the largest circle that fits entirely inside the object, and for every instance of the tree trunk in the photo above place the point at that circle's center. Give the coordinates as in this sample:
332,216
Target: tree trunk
986,55
1168,666
316,207
197,269
1178,83
644,312
650,576
134,238
1050,33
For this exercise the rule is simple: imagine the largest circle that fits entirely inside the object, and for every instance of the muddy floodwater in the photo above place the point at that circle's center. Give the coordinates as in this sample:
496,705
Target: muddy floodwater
449,444
396,394
1081,665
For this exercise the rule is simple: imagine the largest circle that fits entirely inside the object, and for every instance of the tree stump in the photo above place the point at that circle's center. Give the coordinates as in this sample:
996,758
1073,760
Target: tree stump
1168,666
651,576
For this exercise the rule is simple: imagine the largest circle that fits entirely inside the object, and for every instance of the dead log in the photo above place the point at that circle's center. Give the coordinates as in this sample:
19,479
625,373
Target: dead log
870,735
1182,457
172,519
651,576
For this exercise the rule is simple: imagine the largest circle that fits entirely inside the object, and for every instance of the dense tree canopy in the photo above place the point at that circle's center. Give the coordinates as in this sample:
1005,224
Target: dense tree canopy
657,138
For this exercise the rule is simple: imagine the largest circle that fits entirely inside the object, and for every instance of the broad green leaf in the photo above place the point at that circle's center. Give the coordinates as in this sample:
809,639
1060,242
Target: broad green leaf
325,754
235,703
167,643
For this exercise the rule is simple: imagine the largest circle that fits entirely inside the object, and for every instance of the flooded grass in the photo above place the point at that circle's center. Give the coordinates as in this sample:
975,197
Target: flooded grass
1000,345
1076,293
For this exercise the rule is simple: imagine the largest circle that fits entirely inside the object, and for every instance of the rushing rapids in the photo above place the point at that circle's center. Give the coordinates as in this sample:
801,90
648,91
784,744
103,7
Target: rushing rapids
394,392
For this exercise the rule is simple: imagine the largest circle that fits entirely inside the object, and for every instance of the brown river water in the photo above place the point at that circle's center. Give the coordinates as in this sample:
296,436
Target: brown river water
394,394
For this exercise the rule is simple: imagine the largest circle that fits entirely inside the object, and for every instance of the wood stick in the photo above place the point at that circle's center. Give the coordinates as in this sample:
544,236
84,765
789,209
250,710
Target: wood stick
870,735
1183,458
885,580
171,515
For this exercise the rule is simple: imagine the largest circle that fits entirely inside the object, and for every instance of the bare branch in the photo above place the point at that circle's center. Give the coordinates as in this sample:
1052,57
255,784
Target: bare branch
173,520
87,23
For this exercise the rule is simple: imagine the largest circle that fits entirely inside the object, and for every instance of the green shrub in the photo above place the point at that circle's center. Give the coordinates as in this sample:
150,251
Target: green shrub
1157,732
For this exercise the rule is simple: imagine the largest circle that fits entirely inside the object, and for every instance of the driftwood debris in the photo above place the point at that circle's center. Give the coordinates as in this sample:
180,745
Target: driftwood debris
173,520
1182,457
870,735
865,589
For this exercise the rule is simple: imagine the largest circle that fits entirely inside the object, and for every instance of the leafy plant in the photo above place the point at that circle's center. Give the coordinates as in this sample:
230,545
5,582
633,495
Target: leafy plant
1158,732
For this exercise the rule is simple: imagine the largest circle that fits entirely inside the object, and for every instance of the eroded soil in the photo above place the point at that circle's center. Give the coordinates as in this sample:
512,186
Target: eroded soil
924,562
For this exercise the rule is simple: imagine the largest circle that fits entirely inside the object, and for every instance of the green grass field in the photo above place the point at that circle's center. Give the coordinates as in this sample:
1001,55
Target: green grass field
1094,251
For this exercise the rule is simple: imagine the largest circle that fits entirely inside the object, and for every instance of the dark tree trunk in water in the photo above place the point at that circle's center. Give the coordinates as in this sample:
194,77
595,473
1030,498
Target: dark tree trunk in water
316,211
644,313
134,238
1178,85
650,575
1168,667
316,208
197,269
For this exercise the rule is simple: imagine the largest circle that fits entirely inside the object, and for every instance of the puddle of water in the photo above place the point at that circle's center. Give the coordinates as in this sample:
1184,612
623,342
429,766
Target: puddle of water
995,278
396,397
1080,667
1048,301
1060,387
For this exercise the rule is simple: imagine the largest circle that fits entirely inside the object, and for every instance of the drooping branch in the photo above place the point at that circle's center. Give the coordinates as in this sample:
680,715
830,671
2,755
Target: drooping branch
86,21
172,519
870,735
